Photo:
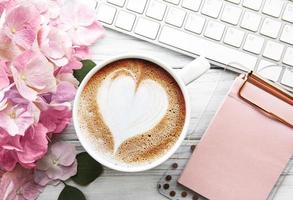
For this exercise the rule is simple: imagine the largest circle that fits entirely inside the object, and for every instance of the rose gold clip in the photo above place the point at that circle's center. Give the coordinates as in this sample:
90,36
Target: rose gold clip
270,88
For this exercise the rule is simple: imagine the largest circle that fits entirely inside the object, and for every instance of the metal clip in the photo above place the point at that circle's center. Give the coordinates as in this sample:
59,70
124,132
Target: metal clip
270,88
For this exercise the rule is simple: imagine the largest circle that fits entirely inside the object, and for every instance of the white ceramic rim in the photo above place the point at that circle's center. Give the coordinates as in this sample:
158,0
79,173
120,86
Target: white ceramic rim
157,161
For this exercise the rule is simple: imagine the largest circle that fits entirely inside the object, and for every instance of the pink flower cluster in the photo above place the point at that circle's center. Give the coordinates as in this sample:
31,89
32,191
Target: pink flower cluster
42,42
23,184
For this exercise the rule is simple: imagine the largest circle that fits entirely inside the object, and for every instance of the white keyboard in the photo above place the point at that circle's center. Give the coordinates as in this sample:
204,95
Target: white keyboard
243,34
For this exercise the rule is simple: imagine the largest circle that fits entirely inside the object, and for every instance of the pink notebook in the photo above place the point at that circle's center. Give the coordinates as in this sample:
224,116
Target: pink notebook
247,145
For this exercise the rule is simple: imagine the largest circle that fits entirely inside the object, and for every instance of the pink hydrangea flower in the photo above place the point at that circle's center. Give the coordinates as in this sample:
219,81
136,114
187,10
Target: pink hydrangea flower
25,150
33,75
16,114
49,9
81,24
41,43
56,117
21,25
55,45
34,145
58,164
16,119
19,185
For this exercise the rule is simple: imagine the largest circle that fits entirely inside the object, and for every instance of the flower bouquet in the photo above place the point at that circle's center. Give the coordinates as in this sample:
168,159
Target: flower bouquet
42,44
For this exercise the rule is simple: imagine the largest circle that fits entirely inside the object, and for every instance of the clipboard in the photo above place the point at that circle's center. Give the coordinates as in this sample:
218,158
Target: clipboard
247,145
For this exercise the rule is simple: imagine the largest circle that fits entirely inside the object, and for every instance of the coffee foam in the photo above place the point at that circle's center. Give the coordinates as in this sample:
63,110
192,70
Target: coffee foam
140,135
130,108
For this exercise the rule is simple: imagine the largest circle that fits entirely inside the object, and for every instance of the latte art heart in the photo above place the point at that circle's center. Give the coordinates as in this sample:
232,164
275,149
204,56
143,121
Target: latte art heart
129,106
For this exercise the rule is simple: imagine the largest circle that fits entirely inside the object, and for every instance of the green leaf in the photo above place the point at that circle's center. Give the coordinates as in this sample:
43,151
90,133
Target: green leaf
88,169
87,65
71,193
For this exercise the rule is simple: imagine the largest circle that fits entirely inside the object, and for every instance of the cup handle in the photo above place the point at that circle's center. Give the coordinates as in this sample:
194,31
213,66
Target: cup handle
194,69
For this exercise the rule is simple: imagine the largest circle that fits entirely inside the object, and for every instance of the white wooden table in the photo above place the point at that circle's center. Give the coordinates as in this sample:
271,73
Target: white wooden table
206,95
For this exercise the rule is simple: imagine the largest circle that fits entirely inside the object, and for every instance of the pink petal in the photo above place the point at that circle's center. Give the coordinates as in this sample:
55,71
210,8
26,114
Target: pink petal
17,17
68,171
23,16
25,38
19,180
78,13
65,92
8,124
88,35
72,65
8,49
45,163
12,143
34,144
67,76
60,62
7,161
19,123
85,16
31,190
41,178
39,73
21,86
56,117
65,153
54,172
33,74
81,52
24,119
22,60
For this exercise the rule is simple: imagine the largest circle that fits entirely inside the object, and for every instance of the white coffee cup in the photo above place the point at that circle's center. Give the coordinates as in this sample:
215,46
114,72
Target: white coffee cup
186,75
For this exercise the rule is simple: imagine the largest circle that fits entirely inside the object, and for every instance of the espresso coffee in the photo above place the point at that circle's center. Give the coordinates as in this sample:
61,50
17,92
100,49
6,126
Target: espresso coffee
131,111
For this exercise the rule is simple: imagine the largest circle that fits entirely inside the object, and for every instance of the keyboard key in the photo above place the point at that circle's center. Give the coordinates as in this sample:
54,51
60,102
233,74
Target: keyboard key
287,34
288,77
288,13
191,4
106,13
125,20
250,21
231,14
117,2
136,5
252,4
147,28
269,70
288,57
270,28
234,1
209,49
175,16
234,37
273,50
156,10
176,2
195,23
253,44
214,30
212,8
273,7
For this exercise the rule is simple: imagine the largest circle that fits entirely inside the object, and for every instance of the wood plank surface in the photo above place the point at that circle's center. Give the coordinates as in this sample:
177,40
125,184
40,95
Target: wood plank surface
206,95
